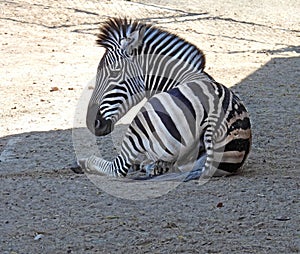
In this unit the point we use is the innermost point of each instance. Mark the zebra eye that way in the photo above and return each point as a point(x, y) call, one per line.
point(115, 70)
point(114, 73)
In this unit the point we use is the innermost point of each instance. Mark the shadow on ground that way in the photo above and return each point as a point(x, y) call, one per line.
point(271, 95)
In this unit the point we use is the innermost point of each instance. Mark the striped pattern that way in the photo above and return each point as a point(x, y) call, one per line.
point(190, 123)
point(158, 62)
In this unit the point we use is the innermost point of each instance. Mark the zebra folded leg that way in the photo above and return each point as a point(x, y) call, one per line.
point(168, 171)
point(153, 170)
point(150, 170)
point(158, 168)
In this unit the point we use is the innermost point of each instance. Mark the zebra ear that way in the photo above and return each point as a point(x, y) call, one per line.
point(133, 41)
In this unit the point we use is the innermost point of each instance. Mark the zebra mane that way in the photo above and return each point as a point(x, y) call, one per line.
point(116, 29)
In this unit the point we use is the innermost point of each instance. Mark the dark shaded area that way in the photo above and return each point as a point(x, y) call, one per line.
point(274, 112)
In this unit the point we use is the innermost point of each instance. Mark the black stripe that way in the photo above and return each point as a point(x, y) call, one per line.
point(183, 51)
point(134, 132)
point(140, 126)
point(177, 93)
point(133, 144)
point(169, 43)
point(204, 98)
point(239, 145)
point(127, 151)
point(154, 133)
point(183, 103)
point(236, 145)
point(226, 99)
point(166, 119)
point(243, 124)
point(156, 46)
point(158, 86)
point(176, 47)
point(114, 94)
point(229, 167)
point(118, 165)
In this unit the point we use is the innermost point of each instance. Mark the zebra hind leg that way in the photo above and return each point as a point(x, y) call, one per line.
point(149, 169)
point(157, 168)
point(153, 170)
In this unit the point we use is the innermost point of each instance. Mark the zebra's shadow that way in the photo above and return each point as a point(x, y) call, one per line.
point(272, 96)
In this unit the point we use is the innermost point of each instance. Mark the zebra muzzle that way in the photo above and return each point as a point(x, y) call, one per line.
point(102, 127)
point(96, 123)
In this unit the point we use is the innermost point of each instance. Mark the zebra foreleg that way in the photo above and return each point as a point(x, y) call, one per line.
point(94, 164)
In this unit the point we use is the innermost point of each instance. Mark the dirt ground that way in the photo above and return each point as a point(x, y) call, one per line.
point(48, 58)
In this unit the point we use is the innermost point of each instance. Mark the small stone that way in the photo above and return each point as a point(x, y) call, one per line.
point(282, 218)
point(54, 89)
point(38, 237)
point(220, 204)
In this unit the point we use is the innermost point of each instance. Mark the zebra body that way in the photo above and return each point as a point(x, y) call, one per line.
point(190, 123)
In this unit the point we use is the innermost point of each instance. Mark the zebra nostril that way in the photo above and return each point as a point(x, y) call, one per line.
point(97, 124)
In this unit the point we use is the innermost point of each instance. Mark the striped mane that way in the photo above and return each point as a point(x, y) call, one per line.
point(115, 29)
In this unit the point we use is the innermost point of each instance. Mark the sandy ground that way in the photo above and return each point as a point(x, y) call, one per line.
point(48, 57)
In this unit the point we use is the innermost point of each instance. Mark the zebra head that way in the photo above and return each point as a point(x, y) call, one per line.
point(119, 81)
point(140, 61)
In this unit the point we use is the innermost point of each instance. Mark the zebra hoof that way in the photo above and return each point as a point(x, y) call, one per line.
point(76, 168)
point(82, 163)
point(85, 165)
point(150, 170)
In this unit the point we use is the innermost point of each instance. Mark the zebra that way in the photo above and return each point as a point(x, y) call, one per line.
point(190, 122)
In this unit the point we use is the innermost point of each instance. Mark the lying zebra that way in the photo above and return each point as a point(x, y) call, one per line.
point(190, 123)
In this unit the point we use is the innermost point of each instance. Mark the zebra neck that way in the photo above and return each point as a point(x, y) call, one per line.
point(158, 83)
point(168, 60)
